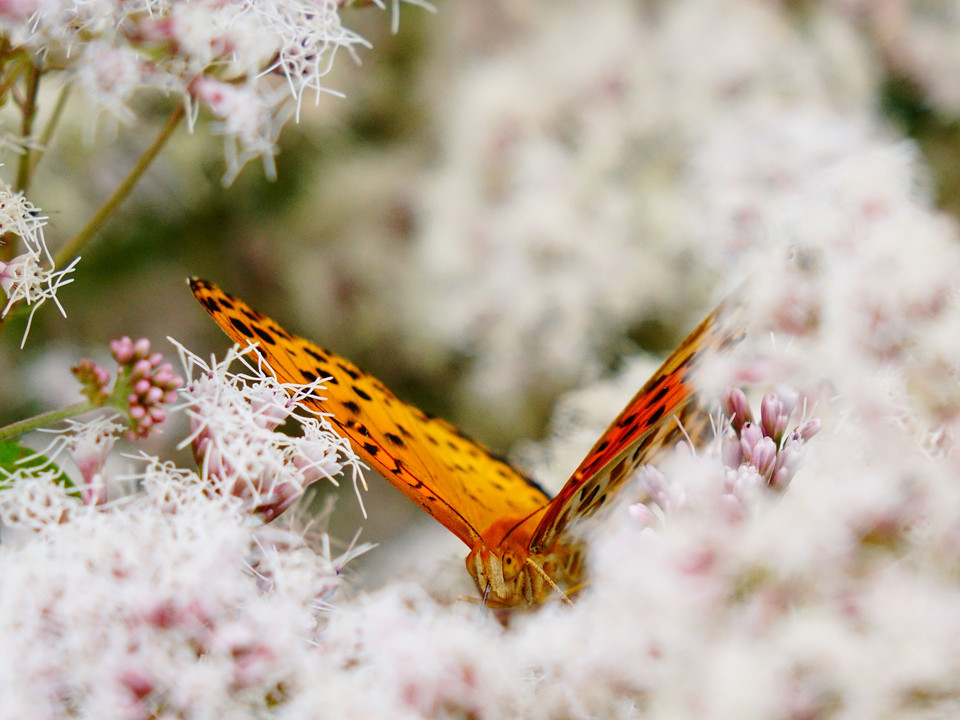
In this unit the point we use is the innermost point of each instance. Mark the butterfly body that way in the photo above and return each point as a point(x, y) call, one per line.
point(523, 547)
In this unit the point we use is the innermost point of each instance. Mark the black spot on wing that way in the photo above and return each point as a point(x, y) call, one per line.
point(210, 303)
point(585, 500)
point(659, 395)
point(265, 336)
point(360, 393)
point(351, 407)
point(241, 327)
point(656, 414)
point(316, 354)
point(352, 372)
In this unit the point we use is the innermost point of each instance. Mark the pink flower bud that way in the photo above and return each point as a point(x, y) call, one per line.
point(730, 451)
point(737, 407)
point(141, 367)
point(163, 375)
point(122, 350)
point(809, 429)
point(750, 436)
point(643, 515)
point(764, 456)
point(773, 416)
point(141, 347)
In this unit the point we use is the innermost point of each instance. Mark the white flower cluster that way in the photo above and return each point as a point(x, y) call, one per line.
point(173, 599)
point(249, 63)
point(233, 419)
point(137, 610)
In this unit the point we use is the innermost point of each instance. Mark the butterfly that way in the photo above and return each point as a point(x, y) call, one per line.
point(522, 545)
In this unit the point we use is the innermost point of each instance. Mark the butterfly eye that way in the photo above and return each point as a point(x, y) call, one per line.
point(510, 566)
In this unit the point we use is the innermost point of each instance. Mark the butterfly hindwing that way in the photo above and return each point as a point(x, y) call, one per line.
point(454, 479)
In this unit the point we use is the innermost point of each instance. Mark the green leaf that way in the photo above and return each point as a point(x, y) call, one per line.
point(14, 456)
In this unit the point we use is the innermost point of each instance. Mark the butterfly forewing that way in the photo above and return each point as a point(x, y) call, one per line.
point(664, 411)
point(453, 478)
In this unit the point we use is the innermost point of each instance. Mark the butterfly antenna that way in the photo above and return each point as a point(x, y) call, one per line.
point(523, 520)
point(550, 582)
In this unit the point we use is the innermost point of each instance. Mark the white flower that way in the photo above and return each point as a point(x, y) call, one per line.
point(109, 75)
point(24, 278)
point(232, 419)
point(33, 499)
point(88, 443)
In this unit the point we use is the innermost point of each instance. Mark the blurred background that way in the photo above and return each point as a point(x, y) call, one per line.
point(510, 199)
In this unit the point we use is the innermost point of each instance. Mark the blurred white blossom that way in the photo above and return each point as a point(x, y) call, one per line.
point(917, 40)
point(136, 611)
point(552, 223)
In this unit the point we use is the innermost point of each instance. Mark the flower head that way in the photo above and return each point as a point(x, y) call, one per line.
point(232, 419)
point(30, 277)
point(148, 381)
point(88, 444)
point(761, 451)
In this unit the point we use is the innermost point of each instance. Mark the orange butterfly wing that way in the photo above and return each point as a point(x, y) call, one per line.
point(665, 410)
point(453, 478)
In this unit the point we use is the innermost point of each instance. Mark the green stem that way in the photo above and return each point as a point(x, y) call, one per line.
point(18, 61)
point(29, 110)
point(44, 419)
point(73, 247)
point(12, 65)
point(51, 126)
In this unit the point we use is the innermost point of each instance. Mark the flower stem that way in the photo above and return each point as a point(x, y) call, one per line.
point(11, 65)
point(73, 247)
point(51, 126)
point(44, 419)
point(29, 110)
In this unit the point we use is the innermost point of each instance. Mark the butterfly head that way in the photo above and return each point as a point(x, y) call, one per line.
point(499, 563)
point(502, 574)
point(508, 574)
